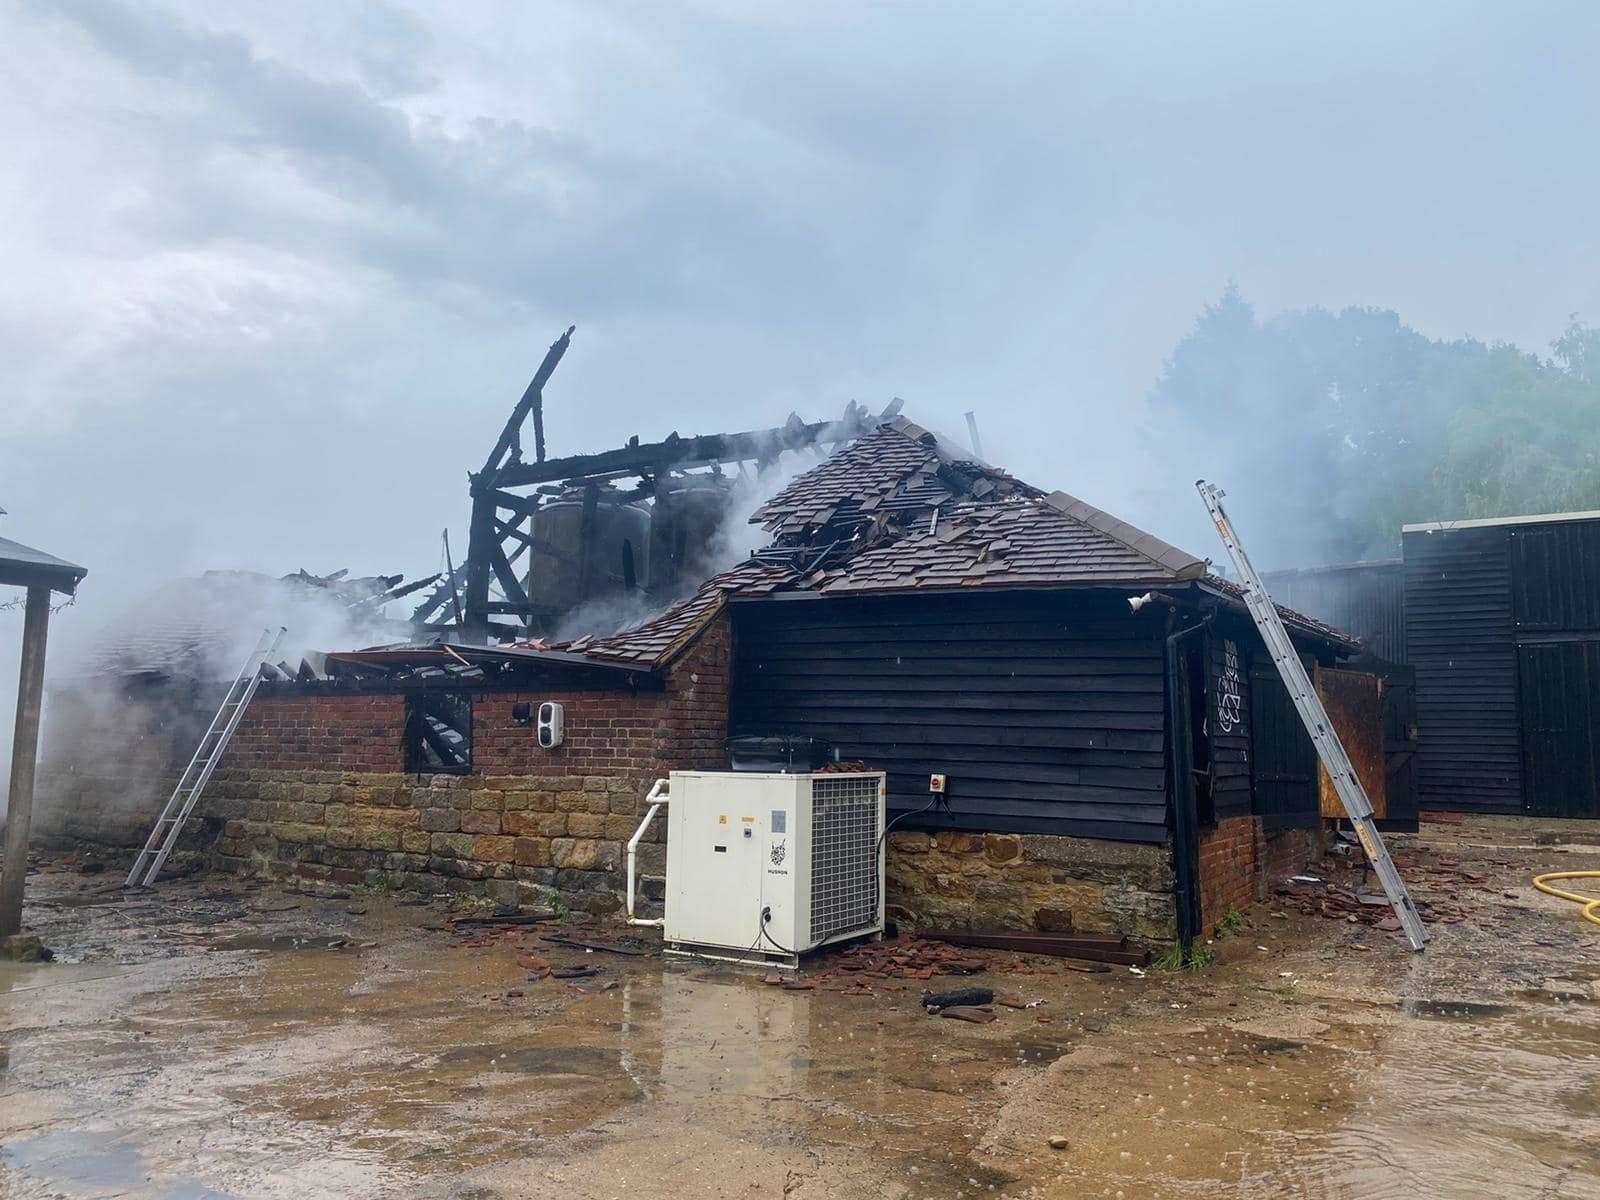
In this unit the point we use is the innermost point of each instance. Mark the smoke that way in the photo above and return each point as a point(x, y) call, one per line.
point(129, 691)
point(733, 540)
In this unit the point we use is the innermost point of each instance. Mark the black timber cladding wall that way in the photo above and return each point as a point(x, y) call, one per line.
point(1046, 713)
point(1555, 601)
point(1228, 717)
point(1363, 599)
point(1460, 639)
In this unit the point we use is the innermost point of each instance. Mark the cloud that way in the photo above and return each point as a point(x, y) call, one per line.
point(273, 276)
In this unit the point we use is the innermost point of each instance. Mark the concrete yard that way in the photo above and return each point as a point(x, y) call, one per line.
point(215, 1037)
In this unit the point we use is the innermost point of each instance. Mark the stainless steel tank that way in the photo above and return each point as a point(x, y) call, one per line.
point(575, 558)
point(684, 530)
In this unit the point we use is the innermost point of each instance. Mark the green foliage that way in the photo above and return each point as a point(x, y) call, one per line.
point(1351, 424)
point(1198, 959)
point(1230, 924)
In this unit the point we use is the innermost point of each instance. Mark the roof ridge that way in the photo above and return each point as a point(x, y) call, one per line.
point(1180, 563)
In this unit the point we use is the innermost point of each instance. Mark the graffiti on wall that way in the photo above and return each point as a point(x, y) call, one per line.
point(1229, 712)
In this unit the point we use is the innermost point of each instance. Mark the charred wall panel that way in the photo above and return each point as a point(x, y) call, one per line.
point(1046, 713)
point(1461, 641)
point(1364, 599)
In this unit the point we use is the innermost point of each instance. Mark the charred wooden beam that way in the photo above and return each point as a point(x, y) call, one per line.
point(510, 441)
point(682, 453)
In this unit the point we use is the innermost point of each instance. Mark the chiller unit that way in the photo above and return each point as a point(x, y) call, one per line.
point(765, 867)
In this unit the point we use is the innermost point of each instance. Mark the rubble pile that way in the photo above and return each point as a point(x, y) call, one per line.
point(1446, 892)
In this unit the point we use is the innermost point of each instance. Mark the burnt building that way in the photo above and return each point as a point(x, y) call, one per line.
point(1119, 752)
point(125, 712)
point(1365, 599)
point(1503, 629)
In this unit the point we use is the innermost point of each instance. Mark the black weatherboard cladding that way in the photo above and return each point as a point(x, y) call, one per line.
point(1365, 599)
point(1555, 573)
point(1555, 586)
point(1560, 684)
point(1284, 772)
point(1045, 712)
point(1460, 639)
point(1229, 644)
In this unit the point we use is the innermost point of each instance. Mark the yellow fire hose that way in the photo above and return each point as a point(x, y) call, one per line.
point(1591, 904)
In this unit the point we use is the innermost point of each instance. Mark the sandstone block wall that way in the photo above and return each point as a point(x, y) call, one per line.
point(1032, 882)
point(313, 785)
point(1240, 861)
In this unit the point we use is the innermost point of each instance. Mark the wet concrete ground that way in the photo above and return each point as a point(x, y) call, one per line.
point(214, 1039)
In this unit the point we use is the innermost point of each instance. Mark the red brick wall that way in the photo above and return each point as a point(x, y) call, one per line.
point(314, 784)
point(320, 733)
point(1240, 863)
point(617, 730)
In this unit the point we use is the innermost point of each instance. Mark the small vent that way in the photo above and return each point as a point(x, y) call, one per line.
point(844, 844)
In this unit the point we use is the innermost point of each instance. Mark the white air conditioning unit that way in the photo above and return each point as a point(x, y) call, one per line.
point(766, 867)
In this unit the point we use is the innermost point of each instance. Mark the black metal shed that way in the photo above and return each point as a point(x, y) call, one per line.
point(1503, 628)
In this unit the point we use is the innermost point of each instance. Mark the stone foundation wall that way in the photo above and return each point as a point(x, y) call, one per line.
point(1240, 861)
point(313, 786)
point(1032, 883)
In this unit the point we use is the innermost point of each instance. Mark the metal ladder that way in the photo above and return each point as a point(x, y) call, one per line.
point(1329, 749)
point(206, 756)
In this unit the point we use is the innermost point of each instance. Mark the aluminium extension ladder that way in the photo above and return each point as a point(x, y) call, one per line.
point(1329, 749)
point(206, 756)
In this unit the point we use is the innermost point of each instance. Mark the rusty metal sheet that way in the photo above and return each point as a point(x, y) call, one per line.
point(1354, 700)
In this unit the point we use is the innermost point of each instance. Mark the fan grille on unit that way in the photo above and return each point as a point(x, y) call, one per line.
point(844, 844)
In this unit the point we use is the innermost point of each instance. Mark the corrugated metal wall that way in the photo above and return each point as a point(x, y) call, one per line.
point(1046, 713)
point(1364, 599)
point(1461, 640)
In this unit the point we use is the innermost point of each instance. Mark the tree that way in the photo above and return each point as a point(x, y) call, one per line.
point(1351, 424)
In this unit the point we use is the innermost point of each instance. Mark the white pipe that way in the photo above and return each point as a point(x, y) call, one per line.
point(655, 800)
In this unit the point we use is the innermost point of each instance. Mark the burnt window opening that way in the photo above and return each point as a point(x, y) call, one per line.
point(439, 733)
point(1200, 764)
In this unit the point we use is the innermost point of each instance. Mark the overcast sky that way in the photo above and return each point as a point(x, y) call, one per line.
point(271, 277)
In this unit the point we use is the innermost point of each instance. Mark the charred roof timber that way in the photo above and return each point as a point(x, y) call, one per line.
point(504, 529)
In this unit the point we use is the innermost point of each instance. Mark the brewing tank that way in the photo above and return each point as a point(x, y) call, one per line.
point(683, 533)
point(575, 558)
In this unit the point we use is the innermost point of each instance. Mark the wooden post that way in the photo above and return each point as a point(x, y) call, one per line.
point(24, 759)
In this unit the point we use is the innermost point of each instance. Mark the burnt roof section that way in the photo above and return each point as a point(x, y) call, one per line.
point(655, 642)
point(1055, 541)
point(1051, 541)
point(23, 566)
point(901, 511)
point(1296, 621)
point(899, 470)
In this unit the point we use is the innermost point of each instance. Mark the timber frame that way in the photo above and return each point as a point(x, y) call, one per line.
point(507, 490)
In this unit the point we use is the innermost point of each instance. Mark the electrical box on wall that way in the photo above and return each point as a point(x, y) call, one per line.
point(552, 725)
point(765, 867)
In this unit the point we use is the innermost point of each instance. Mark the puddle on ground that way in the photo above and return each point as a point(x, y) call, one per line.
point(1455, 1010)
point(279, 941)
point(85, 1165)
point(423, 1068)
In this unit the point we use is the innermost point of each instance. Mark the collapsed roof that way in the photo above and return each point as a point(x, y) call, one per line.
point(900, 510)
